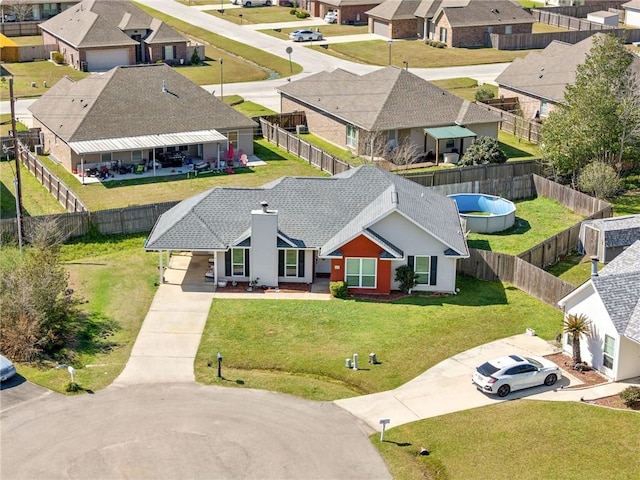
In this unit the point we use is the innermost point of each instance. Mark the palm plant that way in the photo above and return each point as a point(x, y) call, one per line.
point(576, 325)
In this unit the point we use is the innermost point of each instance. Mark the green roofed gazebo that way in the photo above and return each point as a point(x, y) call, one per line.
point(454, 133)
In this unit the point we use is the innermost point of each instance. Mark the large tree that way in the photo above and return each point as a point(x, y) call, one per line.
point(600, 117)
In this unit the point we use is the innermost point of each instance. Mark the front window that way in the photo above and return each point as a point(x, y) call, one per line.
point(609, 347)
point(352, 136)
point(508, 29)
point(443, 35)
point(544, 108)
point(169, 52)
point(422, 267)
point(105, 157)
point(291, 263)
point(361, 272)
point(237, 262)
point(136, 156)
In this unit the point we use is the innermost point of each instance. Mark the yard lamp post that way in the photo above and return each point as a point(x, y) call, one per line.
point(221, 81)
point(390, 42)
point(240, 15)
point(219, 365)
point(406, 65)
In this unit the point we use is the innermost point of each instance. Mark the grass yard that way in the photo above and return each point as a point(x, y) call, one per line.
point(575, 269)
point(5, 125)
point(464, 87)
point(251, 109)
point(39, 71)
point(545, 28)
point(418, 54)
point(299, 348)
point(517, 148)
point(117, 278)
point(523, 439)
point(627, 203)
point(143, 191)
point(249, 16)
point(328, 30)
point(536, 220)
point(27, 41)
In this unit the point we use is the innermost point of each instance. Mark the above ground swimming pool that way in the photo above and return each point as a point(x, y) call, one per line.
point(485, 213)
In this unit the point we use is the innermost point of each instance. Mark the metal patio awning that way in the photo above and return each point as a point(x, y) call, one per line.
point(146, 142)
point(454, 131)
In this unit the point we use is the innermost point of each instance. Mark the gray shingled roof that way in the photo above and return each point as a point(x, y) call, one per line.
point(428, 8)
point(632, 4)
point(546, 74)
point(618, 285)
point(347, 3)
point(100, 23)
point(395, 10)
point(485, 12)
point(313, 212)
point(129, 102)
point(619, 231)
point(386, 99)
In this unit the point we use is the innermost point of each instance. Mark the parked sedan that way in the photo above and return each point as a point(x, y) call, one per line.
point(304, 35)
point(7, 370)
point(514, 372)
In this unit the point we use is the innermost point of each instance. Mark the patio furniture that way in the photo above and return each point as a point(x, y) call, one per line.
point(209, 275)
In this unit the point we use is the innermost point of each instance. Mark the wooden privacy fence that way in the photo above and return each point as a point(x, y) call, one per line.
point(300, 148)
point(516, 124)
point(529, 41)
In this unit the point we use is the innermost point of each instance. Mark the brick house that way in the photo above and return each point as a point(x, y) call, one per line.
point(349, 11)
point(395, 19)
point(391, 104)
point(109, 33)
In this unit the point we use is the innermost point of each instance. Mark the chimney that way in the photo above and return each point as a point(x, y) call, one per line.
point(594, 266)
point(264, 246)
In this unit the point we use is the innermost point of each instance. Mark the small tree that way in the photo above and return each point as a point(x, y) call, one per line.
point(600, 180)
point(195, 58)
point(377, 146)
point(406, 277)
point(576, 325)
point(483, 94)
point(483, 151)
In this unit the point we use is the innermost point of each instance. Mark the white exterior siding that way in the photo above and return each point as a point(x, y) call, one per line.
point(413, 240)
point(632, 17)
point(628, 361)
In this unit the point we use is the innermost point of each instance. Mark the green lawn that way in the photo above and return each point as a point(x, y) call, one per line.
point(521, 439)
point(116, 277)
point(299, 347)
point(517, 148)
point(575, 269)
point(536, 220)
point(627, 203)
point(376, 52)
point(544, 28)
point(27, 40)
point(328, 30)
point(248, 16)
point(40, 71)
point(464, 87)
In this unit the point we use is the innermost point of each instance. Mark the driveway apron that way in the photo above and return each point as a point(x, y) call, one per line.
point(169, 337)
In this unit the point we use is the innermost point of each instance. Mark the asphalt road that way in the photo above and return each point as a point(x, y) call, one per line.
point(184, 431)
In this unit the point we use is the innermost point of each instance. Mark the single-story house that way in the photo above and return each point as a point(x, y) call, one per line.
point(608, 237)
point(611, 301)
point(135, 114)
point(632, 13)
point(348, 110)
point(97, 35)
point(539, 79)
point(458, 23)
point(357, 227)
point(23, 10)
point(349, 11)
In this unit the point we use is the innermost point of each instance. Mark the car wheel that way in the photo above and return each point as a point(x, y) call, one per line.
point(550, 380)
point(267, 3)
point(504, 390)
point(248, 4)
point(298, 39)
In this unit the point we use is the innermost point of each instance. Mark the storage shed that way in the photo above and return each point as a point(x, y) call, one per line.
point(607, 238)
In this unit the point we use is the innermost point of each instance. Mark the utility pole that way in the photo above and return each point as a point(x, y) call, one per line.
point(14, 133)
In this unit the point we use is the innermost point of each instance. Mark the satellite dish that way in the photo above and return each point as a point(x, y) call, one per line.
point(289, 50)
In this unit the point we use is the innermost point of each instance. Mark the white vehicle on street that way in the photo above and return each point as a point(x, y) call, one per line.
point(254, 3)
point(514, 372)
point(304, 35)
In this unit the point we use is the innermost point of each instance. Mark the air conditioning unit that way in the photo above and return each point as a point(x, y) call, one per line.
point(301, 129)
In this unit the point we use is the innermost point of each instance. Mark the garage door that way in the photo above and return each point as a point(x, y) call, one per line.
point(381, 28)
point(100, 60)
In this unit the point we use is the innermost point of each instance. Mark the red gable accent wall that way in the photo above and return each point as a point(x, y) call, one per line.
point(362, 247)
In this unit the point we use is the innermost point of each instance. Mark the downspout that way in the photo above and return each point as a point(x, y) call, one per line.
point(161, 271)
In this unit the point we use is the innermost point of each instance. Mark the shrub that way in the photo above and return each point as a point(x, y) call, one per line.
point(631, 182)
point(483, 151)
point(407, 278)
point(58, 58)
point(195, 58)
point(483, 94)
point(435, 43)
point(600, 180)
point(339, 289)
point(301, 14)
point(293, 11)
point(630, 396)
point(72, 387)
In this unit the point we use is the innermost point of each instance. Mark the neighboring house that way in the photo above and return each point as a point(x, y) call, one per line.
point(357, 227)
point(608, 237)
point(458, 23)
point(349, 11)
point(539, 79)
point(133, 114)
point(97, 35)
point(349, 110)
point(32, 9)
point(611, 300)
point(632, 13)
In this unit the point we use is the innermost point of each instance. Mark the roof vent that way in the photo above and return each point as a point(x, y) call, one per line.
point(264, 206)
point(394, 196)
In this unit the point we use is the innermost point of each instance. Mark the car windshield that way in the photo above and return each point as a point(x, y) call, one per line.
point(534, 362)
point(487, 369)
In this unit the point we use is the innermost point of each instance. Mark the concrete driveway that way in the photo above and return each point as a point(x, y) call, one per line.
point(446, 387)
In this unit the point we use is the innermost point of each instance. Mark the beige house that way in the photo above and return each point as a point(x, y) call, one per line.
point(134, 115)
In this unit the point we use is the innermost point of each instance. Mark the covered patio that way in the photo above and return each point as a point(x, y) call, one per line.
point(446, 143)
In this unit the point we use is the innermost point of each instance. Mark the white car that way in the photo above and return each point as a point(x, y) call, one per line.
point(304, 35)
point(507, 374)
point(331, 17)
point(255, 3)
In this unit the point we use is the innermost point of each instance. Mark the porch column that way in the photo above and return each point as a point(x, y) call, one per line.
point(215, 269)
point(160, 269)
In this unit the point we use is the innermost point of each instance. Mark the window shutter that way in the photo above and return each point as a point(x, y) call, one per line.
point(246, 263)
point(227, 263)
point(281, 263)
point(410, 262)
point(433, 274)
point(301, 263)
point(175, 52)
